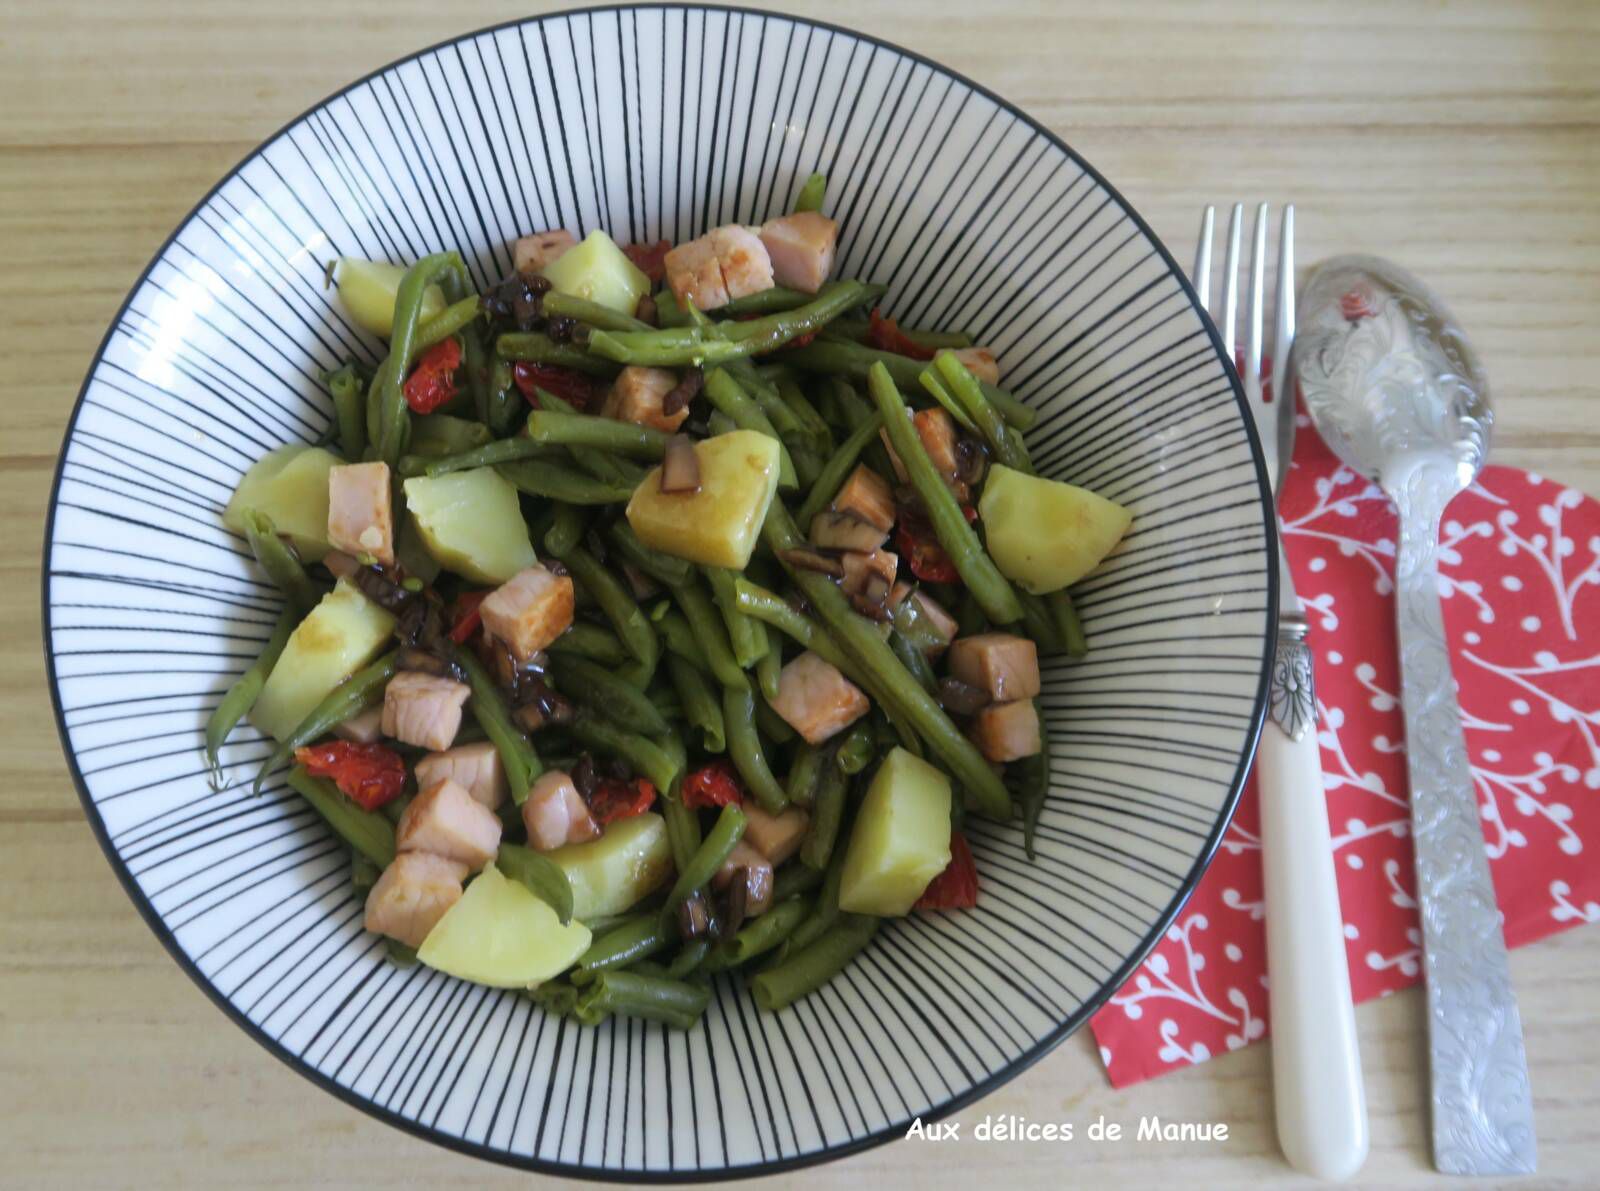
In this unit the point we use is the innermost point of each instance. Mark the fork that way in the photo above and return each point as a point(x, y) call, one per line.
point(1316, 1065)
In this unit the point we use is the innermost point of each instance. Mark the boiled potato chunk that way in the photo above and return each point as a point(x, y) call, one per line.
point(289, 485)
point(434, 435)
point(599, 271)
point(501, 935)
point(901, 839)
point(718, 525)
point(1045, 535)
point(339, 636)
point(367, 290)
point(613, 873)
point(471, 522)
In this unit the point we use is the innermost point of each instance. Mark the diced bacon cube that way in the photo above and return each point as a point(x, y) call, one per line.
point(535, 252)
point(447, 821)
point(777, 837)
point(637, 395)
point(529, 610)
point(1005, 666)
point(757, 871)
point(360, 517)
point(1007, 731)
point(423, 710)
point(411, 896)
point(980, 362)
point(746, 267)
point(556, 814)
point(931, 613)
point(475, 767)
point(801, 247)
point(816, 700)
point(867, 495)
point(695, 276)
point(365, 727)
point(937, 430)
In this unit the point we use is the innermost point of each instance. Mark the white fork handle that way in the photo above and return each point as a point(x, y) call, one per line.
point(1316, 1065)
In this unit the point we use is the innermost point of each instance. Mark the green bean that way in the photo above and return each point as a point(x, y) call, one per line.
point(1038, 624)
point(768, 301)
point(710, 635)
point(517, 754)
point(826, 816)
point(810, 968)
point(602, 465)
point(555, 997)
point(449, 321)
point(654, 759)
point(970, 620)
point(812, 193)
point(771, 725)
point(503, 400)
point(366, 831)
point(990, 422)
point(825, 912)
point(727, 340)
point(729, 397)
point(664, 568)
point(899, 692)
point(604, 693)
point(628, 994)
point(244, 692)
point(977, 569)
point(779, 614)
point(664, 698)
point(559, 305)
point(855, 361)
point(1032, 775)
point(618, 606)
point(856, 749)
point(590, 641)
point(689, 957)
point(567, 527)
point(393, 416)
point(760, 935)
point(280, 562)
point(791, 880)
point(1068, 627)
point(857, 330)
point(804, 771)
point(354, 695)
point(838, 469)
point(816, 426)
point(677, 636)
point(640, 936)
point(538, 348)
point(540, 875)
point(548, 428)
point(701, 710)
point(364, 873)
point(769, 666)
point(914, 660)
point(744, 748)
point(931, 381)
point(440, 435)
point(718, 422)
point(539, 477)
point(683, 831)
point(784, 420)
point(505, 450)
point(349, 411)
point(708, 857)
point(747, 637)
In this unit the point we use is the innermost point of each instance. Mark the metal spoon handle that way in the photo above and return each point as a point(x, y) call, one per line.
point(1482, 1107)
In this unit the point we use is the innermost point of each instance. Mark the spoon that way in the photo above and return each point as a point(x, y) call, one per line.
point(1397, 393)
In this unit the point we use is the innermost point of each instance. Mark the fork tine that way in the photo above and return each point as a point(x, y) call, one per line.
point(1230, 282)
point(1202, 258)
point(1283, 338)
point(1254, 316)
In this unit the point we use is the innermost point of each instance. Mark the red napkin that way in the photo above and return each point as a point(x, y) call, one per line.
point(1521, 586)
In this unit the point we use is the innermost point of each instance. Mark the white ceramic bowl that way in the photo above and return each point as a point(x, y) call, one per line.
point(657, 122)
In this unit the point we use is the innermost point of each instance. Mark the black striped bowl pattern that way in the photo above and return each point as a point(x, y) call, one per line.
point(661, 122)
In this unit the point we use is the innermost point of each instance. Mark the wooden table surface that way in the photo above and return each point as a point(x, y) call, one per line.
point(1460, 138)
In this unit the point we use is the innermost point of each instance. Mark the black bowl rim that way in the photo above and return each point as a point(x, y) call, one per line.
point(779, 1165)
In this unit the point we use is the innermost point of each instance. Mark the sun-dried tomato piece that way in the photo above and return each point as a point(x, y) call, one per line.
point(566, 383)
point(957, 887)
point(432, 382)
point(613, 799)
point(370, 774)
point(885, 335)
point(716, 784)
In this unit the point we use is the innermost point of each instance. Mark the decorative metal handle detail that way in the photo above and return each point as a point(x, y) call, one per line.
point(1482, 1105)
point(1292, 696)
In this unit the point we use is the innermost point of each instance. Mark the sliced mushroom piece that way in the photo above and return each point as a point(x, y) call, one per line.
point(832, 530)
